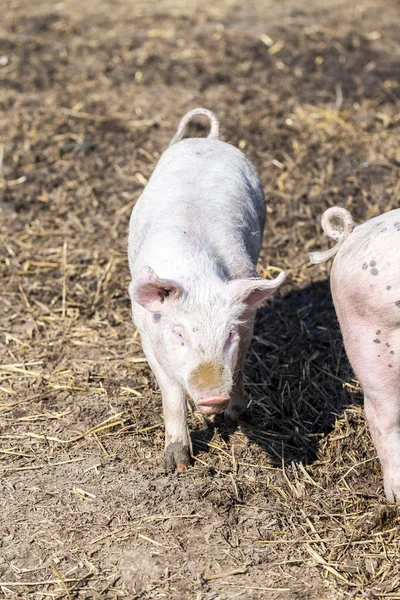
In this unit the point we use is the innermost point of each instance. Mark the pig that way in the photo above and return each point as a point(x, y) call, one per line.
point(365, 284)
point(194, 239)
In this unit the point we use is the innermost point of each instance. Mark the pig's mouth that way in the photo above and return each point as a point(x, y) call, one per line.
point(213, 404)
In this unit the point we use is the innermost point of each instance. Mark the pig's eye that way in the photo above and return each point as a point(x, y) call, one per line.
point(232, 337)
point(178, 335)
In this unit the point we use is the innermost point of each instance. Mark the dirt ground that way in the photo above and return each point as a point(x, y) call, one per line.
point(289, 506)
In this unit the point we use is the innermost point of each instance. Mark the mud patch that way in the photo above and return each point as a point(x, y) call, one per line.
point(206, 375)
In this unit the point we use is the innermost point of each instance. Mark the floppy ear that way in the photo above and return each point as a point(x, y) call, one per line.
point(253, 291)
point(153, 293)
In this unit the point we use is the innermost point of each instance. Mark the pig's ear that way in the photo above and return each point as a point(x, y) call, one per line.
point(153, 293)
point(253, 291)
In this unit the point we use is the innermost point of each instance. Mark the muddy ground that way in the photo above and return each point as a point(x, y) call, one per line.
point(289, 506)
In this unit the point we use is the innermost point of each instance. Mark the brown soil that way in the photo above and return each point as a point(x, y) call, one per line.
point(290, 505)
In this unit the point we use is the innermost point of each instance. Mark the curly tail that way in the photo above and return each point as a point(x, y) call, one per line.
point(339, 234)
point(214, 130)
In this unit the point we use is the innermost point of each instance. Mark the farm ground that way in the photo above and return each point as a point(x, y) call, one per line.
point(289, 506)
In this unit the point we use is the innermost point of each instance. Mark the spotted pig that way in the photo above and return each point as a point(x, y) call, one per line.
point(365, 283)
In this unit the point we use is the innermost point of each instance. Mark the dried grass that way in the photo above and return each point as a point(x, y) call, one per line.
point(291, 504)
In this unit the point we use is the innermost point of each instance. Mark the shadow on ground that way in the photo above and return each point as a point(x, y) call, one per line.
point(295, 370)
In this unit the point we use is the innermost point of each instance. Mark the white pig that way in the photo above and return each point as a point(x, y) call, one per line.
point(194, 239)
point(365, 284)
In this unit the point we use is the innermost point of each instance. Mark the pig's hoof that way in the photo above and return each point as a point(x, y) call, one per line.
point(392, 489)
point(232, 416)
point(393, 496)
point(177, 457)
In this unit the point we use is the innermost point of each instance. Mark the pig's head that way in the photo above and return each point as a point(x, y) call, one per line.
point(196, 332)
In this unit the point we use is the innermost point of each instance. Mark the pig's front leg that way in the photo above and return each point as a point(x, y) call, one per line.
point(177, 440)
point(237, 405)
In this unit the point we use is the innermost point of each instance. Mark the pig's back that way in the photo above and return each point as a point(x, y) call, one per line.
point(203, 196)
point(366, 270)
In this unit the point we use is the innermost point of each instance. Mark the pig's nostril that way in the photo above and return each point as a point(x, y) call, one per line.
point(213, 404)
point(214, 401)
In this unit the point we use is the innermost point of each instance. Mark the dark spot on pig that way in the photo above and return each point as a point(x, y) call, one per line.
point(392, 352)
point(377, 341)
point(156, 317)
point(388, 287)
point(359, 307)
point(365, 266)
point(378, 332)
point(390, 366)
point(388, 345)
point(397, 303)
point(372, 263)
point(374, 271)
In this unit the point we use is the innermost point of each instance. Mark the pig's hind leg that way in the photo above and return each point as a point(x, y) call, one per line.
point(178, 445)
point(374, 352)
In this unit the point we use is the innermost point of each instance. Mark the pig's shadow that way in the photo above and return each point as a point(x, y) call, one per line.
point(294, 375)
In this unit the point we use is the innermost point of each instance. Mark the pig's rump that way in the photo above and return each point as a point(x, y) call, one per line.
point(365, 275)
point(204, 201)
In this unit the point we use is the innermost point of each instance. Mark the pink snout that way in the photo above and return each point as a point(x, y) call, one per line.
point(213, 404)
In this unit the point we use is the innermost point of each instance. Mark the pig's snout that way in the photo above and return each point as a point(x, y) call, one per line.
point(210, 385)
point(213, 404)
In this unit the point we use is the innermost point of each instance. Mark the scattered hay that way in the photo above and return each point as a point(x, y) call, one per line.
point(291, 504)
